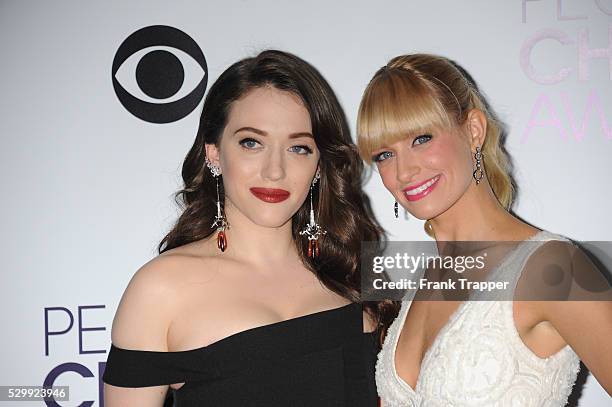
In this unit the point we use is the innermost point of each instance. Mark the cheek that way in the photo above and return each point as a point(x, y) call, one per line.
point(241, 172)
point(237, 174)
point(447, 156)
point(437, 155)
point(300, 174)
point(387, 176)
point(238, 165)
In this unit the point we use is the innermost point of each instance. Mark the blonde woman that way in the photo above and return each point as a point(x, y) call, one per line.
point(437, 147)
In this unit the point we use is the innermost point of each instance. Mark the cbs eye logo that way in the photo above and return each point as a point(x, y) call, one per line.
point(147, 63)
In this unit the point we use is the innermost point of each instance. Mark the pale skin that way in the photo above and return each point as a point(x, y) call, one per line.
point(194, 295)
point(460, 210)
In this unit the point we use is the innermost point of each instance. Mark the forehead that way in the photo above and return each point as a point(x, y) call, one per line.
point(270, 109)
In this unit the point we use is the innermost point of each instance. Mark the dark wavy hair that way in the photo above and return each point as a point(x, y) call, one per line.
point(343, 208)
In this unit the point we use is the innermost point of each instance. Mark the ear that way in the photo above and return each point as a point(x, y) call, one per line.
point(212, 153)
point(476, 124)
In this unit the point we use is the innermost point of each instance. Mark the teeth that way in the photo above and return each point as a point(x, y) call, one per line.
point(422, 187)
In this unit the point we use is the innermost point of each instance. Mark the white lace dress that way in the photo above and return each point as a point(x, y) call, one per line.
point(478, 357)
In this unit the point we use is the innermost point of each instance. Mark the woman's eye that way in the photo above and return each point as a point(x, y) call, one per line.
point(249, 143)
point(425, 137)
point(301, 149)
point(381, 156)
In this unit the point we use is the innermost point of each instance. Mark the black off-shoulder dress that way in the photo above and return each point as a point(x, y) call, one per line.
point(320, 359)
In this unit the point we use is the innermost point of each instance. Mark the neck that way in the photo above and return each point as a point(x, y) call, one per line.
point(256, 244)
point(477, 215)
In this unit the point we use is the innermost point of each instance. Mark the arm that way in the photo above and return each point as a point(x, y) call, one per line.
point(141, 323)
point(584, 319)
point(125, 397)
point(587, 327)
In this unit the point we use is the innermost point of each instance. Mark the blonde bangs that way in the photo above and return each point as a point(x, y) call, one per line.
point(395, 105)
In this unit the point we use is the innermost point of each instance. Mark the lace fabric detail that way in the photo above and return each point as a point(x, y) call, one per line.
point(478, 357)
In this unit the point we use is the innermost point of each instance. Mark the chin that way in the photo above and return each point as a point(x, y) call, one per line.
point(271, 219)
point(420, 215)
point(424, 213)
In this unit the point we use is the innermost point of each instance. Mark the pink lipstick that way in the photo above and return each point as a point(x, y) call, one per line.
point(422, 189)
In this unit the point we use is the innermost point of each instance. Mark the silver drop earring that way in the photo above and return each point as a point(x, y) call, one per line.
point(313, 230)
point(220, 221)
point(478, 172)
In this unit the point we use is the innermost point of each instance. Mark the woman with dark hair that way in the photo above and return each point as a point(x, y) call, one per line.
point(438, 148)
point(254, 298)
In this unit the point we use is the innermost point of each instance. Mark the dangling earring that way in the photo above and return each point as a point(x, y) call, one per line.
point(220, 221)
point(478, 172)
point(313, 230)
point(396, 211)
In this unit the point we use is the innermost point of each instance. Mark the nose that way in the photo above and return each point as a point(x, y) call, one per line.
point(407, 168)
point(274, 165)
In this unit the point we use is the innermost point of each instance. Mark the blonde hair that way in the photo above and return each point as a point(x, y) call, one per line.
point(414, 94)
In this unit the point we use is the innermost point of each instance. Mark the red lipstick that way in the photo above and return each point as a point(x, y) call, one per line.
point(270, 195)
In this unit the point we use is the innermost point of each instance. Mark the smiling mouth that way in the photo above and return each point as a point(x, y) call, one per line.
point(270, 195)
point(416, 193)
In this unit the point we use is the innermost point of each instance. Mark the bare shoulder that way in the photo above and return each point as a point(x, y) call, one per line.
point(561, 270)
point(148, 304)
point(182, 263)
point(547, 272)
point(553, 252)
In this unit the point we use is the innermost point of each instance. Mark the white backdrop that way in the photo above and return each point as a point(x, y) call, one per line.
point(87, 186)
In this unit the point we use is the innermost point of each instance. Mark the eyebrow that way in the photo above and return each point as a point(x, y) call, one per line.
point(264, 133)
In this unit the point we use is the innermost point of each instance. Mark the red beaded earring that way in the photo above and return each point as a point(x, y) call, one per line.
point(220, 221)
point(313, 230)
